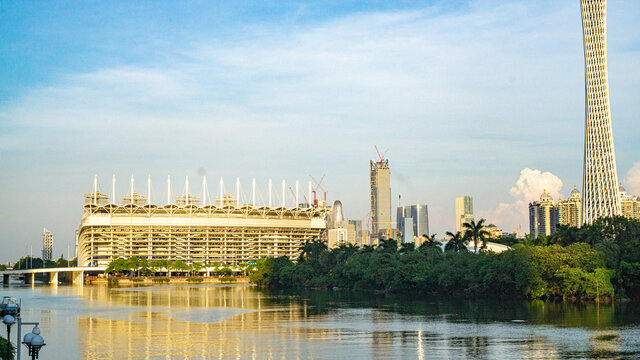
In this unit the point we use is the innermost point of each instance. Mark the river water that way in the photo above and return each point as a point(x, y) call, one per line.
point(202, 321)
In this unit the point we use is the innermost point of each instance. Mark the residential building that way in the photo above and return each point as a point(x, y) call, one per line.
point(570, 210)
point(47, 245)
point(543, 216)
point(630, 204)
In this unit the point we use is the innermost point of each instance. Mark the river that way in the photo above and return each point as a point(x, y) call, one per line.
point(203, 321)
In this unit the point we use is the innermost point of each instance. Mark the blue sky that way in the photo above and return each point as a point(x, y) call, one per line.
point(484, 98)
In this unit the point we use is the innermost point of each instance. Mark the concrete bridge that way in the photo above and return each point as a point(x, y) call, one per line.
point(74, 275)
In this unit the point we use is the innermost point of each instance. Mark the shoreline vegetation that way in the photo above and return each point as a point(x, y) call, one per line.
point(598, 262)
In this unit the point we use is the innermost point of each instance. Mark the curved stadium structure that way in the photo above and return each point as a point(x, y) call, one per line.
point(225, 233)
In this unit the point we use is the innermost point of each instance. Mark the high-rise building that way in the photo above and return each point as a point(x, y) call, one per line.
point(418, 220)
point(464, 212)
point(600, 177)
point(47, 245)
point(380, 198)
point(543, 216)
point(630, 204)
point(570, 210)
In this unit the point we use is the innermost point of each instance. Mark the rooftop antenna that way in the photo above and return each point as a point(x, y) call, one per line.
point(113, 189)
point(168, 189)
point(132, 189)
point(95, 189)
point(221, 191)
point(270, 186)
point(283, 192)
point(237, 191)
point(186, 190)
point(253, 192)
point(149, 189)
point(204, 190)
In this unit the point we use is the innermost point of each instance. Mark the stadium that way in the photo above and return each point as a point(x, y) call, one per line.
point(192, 231)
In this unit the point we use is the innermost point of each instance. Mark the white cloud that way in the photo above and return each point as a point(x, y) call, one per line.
point(632, 180)
point(528, 188)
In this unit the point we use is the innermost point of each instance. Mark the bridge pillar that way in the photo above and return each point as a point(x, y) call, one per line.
point(53, 278)
point(77, 277)
point(28, 278)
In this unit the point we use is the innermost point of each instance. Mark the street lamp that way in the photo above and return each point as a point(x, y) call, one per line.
point(8, 320)
point(33, 341)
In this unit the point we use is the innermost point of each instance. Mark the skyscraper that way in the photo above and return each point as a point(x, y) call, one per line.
point(543, 216)
point(413, 220)
point(464, 212)
point(380, 198)
point(47, 245)
point(600, 179)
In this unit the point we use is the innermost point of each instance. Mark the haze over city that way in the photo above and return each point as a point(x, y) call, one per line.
point(480, 98)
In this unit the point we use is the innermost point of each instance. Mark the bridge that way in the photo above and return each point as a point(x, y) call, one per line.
point(75, 275)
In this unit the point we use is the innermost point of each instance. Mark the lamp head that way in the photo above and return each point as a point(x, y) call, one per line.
point(36, 330)
point(9, 320)
point(37, 340)
point(27, 338)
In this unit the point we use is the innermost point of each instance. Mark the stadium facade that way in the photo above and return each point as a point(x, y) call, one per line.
point(192, 231)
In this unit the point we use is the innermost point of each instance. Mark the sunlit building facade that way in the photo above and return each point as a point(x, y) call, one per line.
point(194, 233)
point(630, 204)
point(570, 210)
point(543, 216)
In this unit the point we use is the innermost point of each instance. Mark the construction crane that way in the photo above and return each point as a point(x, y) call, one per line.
point(318, 185)
point(381, 156)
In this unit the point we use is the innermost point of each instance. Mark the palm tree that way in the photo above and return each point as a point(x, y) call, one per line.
point(475, 231)
point(457, 242)
point(430, 242)
point(407, 247)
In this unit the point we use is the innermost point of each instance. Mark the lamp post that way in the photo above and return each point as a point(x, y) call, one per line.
point(34, 342)
point(8, 320)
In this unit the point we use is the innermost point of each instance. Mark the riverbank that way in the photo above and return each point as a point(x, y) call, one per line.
point(93, 280)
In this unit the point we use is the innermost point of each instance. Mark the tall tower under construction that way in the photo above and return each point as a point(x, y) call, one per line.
point(600, 178)
point(380, 198)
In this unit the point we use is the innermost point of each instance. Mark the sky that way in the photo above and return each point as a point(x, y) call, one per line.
point(482, 98)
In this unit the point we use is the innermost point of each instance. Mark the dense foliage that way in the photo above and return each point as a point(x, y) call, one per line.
point(3, 349)
point(597, 261)
point(135, 266)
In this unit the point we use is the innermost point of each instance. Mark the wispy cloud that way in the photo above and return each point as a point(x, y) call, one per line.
point(432, 84)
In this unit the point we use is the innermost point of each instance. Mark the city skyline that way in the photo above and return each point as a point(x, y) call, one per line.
point(493, 109)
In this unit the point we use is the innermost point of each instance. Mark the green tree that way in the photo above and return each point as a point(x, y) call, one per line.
point(457, 242)
point(475, 231)
point(3, 350)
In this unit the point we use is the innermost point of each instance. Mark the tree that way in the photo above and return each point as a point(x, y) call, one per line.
point(476, 232)
point(430, 242)
point(457, 242)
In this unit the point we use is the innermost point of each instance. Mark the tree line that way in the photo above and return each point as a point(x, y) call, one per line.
point(136, 266)
point(29, 262)
point(600, 261)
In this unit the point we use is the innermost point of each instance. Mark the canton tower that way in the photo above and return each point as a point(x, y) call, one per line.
point(600, 178)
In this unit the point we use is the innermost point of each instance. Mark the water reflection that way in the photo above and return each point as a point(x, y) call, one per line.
point(242, 322)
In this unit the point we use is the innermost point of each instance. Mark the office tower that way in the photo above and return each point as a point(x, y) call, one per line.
point(543, 216)
point(380, 198)
point(464, 212)
point(47, 245)
point(600, 178)
point(570, 210)
point(630, 205)
point(418, 216)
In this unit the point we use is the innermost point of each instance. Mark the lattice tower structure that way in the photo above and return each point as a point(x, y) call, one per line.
point(194, 234)
point(600, 178)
